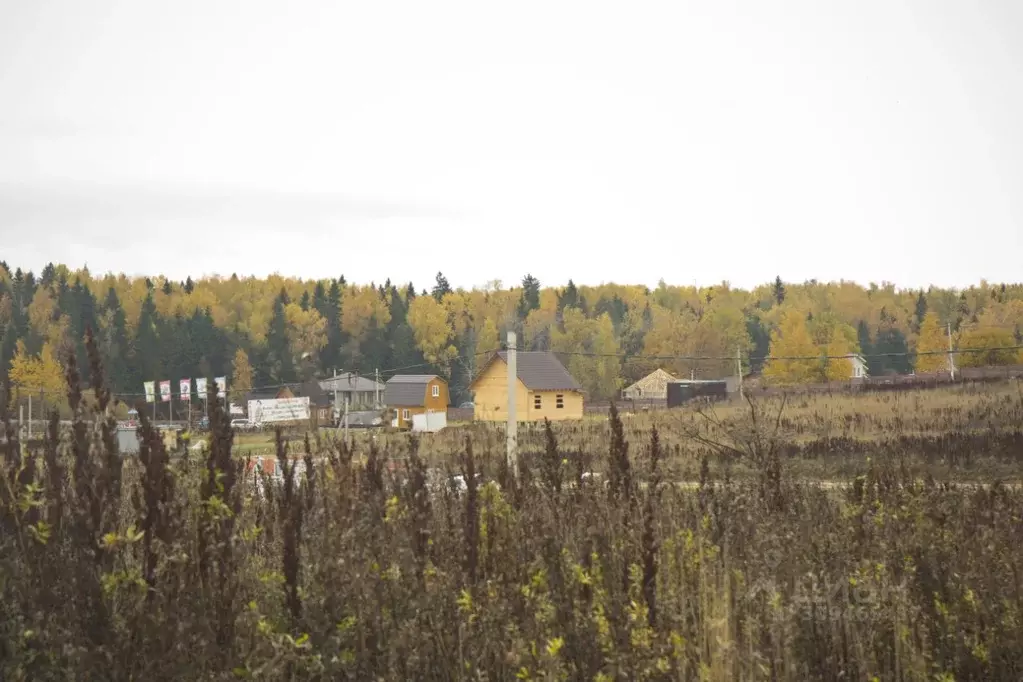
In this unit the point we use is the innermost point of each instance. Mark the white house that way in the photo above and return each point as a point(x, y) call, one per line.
point(859, 367)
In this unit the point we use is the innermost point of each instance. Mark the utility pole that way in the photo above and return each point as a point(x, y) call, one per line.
point(513, 461)
point(30, 416)
point(376, 389)
point(348, 442)
point(738, 368)
point(951, 358)
point(336, 409)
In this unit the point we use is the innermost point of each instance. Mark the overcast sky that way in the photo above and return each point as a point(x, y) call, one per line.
point(627, 142)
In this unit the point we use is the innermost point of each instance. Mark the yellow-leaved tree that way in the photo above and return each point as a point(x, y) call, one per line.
point(241, 376)
point(307, 330)
point(792, 340)
point(931, 345)
point(1000, 343)
point(591, 348)
point(432, 331)
point(487, 339)
point(838, 367)
point(39, 374)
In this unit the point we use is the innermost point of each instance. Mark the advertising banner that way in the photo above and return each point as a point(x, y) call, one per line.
point(165, 392)
point(221, 387)
point(186, 389)
point(278, 410)
point(150, 388)
point(200, 387)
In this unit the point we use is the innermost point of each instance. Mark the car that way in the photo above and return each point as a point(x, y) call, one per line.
point(240, 424)
point(468, 405)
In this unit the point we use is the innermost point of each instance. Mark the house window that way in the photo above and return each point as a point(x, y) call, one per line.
point(537, 402)
point(559, 402)
point(404, 415)
point(435, 391)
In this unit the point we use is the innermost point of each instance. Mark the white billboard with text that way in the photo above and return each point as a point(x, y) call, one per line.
point(278, 410)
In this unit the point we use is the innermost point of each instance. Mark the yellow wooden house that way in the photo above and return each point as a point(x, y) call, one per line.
point(412, 394)
point(544, 388)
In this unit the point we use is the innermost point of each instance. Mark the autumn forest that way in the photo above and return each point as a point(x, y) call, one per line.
point(262, 332)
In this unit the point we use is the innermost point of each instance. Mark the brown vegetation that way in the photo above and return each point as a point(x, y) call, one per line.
point(173, 568)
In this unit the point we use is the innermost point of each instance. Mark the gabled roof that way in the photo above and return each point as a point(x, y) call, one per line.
point(317, 396)
point(263, 393)
point(539, 371)
point(656, 380)
point(407, 389)
point(348, 382)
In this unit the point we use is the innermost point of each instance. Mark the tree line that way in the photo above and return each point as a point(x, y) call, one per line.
point(277, 330)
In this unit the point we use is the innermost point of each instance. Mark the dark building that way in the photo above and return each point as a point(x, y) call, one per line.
point(680, 392)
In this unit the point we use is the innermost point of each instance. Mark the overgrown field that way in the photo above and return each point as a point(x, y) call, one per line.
point(970, 432)
point(167, 568)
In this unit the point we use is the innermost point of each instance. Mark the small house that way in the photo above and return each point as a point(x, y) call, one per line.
point(859, 367)
point(543, 388)
point(358, 392)
point(653, 386)
point(416, 394)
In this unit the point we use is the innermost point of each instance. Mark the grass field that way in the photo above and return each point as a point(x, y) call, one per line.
point(968, 432)
point(163, 568)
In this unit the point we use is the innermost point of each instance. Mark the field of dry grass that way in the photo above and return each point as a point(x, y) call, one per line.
point(163, 568)
point(967, 432)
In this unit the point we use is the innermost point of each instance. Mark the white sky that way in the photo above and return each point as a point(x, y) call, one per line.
point(625, 142)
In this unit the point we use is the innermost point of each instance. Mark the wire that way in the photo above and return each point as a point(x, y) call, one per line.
point(767, 358)
point(623, 356)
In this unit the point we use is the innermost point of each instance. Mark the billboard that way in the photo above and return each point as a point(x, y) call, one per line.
point(278, 410)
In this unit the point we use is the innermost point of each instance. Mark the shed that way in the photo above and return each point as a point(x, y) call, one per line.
point(680, 392)
point(653, 386)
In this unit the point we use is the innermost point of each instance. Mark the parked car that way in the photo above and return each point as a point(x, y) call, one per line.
point(240, 424)
point(468, 405)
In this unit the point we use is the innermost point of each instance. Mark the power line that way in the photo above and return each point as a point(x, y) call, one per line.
point(621, 356)
point(766, 358)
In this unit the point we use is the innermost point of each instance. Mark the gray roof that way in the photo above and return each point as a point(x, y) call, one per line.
point(348, 382)
point(542, 371)
point(407, 389)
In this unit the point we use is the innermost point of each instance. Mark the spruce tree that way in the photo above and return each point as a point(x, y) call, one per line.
point(569, 298)
point(779, 290)
point(530, 299)
point(921, 309)
point(116, 345)
point(761, 339)
point(48, 276)
point(83, 316)
point(441, 287)
point(328, 305)
point(146, 364)
point(399, 334)
point(281, 364)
